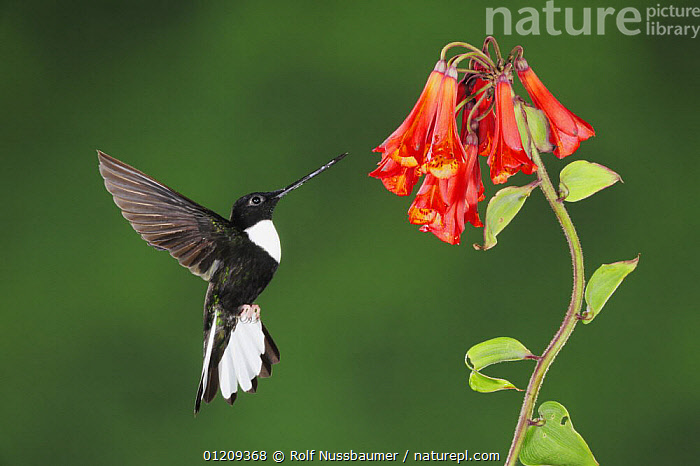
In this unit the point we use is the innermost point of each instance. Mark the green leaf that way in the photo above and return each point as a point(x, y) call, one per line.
point(539, 126)
point(603, 284)
point(581, 179)
point(502, 208)
point(496, 350)
point(555, 443)
point(490, 352)
point(485, 384)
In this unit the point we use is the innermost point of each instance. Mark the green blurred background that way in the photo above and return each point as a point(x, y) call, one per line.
point(102, 335)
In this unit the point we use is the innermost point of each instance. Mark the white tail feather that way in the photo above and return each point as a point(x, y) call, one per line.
point(242, 358)
point(225, 377)
point(207, 353)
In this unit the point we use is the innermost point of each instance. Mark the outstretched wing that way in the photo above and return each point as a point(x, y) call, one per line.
point(167, 220)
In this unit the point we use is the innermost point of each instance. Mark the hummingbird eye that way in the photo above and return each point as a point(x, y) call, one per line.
point(256, 200)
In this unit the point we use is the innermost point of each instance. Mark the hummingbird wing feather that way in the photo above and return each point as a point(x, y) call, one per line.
point(167, 220)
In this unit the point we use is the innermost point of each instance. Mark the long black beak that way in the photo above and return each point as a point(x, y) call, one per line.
point(298, 183)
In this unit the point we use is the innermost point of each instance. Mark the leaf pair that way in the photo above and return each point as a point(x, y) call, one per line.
point(489, 352)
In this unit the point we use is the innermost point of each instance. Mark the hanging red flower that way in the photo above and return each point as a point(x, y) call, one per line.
point(567, 130)
point(452, 186)
point(403, 152)
point(507, 155)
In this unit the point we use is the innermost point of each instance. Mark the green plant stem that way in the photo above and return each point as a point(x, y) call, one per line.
point(466, 45)
point(570, 320)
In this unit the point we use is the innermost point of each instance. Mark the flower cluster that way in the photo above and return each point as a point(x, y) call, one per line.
point(430, 143)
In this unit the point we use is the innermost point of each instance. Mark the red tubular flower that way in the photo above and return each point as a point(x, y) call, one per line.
point(452, 186)
point(465, 190)
point(507, 155)
point(568, 130)
point(462, 192)
point(475, 187)
point(445, 151)
point(429, 205)
point(403, 152)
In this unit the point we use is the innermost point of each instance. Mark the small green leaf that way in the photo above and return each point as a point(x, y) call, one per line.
point(539, 126)
point(502, 208)
point(496, 350)
point(485, 384)
point(489, 352)
point(581, 179)
point(603, 284)
point(555, 443)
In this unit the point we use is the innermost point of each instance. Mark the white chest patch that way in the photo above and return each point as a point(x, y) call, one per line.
point(264, 235)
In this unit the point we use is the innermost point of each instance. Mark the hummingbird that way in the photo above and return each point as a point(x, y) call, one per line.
point(237, 257)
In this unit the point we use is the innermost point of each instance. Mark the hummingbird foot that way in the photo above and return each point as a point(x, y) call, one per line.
point(249, 313)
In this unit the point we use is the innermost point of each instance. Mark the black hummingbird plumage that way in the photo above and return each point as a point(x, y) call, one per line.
point(238, 257)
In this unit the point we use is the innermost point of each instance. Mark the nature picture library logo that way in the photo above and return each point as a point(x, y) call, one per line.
point(654, 20)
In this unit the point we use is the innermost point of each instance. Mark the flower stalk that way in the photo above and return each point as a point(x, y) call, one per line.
point(570, 319)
